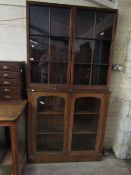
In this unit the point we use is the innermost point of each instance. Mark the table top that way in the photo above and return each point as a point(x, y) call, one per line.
point(10, 111)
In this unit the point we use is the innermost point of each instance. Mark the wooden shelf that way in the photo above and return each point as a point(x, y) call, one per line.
point(50, 113)
point(89, 113)
point(84, 132)
point(54, 62)
point(91, 64)
point(51, 133)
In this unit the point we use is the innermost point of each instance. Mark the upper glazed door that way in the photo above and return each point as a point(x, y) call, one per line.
point(93, 36)
point(49, 43)
point(69, 47)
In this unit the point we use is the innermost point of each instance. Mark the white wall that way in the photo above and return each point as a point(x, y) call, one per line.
point(12, 31)
point(122, 87)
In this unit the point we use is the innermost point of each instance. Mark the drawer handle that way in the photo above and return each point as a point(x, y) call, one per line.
point(5, 67)
point(6, 82)
point(6, 90)
point(6, 75)
point(7, 97)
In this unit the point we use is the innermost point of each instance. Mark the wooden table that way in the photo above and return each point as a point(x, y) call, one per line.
point(13, 118)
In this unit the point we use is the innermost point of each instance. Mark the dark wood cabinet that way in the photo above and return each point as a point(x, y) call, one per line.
point(69, 63)
point(12, 80)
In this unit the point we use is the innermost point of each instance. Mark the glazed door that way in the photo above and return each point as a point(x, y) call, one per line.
point(49, 127)
point(85, 119)
point(49, 44)
point(92, 38)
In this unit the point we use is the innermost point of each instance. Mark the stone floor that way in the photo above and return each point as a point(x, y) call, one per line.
point(108, 166)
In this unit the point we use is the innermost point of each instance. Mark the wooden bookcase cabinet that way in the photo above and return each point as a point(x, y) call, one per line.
point(69, 63)
point(66, 126)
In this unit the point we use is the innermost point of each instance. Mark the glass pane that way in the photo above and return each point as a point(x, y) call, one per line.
point(50, 104)
point(39, 19)
point(39, 48)
point(83, 50)
point(102, 52)
point(39, 72)
point(87, 104)
point(50, 123)
point(60, 20)
point(99, 75)
point(85, 123)
point(85, 24)
point(58, 73)
point(49, 142)
point(83, 142)
point(59, 49)
point(104, 25)
point(81, 74)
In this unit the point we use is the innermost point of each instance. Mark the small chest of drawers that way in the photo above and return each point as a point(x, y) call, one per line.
point(12, 80)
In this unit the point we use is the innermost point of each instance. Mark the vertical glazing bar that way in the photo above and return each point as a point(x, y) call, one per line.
point(91, 70)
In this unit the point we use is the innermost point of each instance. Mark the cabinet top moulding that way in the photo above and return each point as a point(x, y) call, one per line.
point(69, 47)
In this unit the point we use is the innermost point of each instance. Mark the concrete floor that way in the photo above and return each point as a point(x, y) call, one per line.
point(108, 166)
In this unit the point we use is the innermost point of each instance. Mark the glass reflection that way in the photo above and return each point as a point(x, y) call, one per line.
point(60, 18)
point(39, 72)
point(102, 52)
point(85, 24)
point(83, 50)
point(58, 73)
point(104, 25)
point(59, 49)
point(39, 20)
point(39, 48)
point(81, 74)
point(50, 103)
point(99, 75)
point(81, 104)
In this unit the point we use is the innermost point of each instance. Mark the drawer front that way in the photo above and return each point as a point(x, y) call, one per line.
point(9, 74)
point(9, 90)
point(9, 82)
point(4, 66)
point(9, 96)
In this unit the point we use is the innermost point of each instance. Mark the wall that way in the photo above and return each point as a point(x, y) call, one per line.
point(12, 30)
point(121, 83)
point(13, 47)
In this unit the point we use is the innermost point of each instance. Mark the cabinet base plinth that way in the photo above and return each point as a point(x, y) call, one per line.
point(66, 158)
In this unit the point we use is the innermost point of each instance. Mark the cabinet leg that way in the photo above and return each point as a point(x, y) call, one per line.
point(14, 147)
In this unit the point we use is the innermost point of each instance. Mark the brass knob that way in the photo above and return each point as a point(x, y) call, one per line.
point(6, 82)
point(6, 75)
point(5, 67)
point(6, 90)
point(7, 96)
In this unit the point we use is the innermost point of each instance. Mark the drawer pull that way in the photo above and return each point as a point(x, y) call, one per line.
point(6, 75)
point(6, 82)
point(7, 97)
point(5, 67)
point(6, 90)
